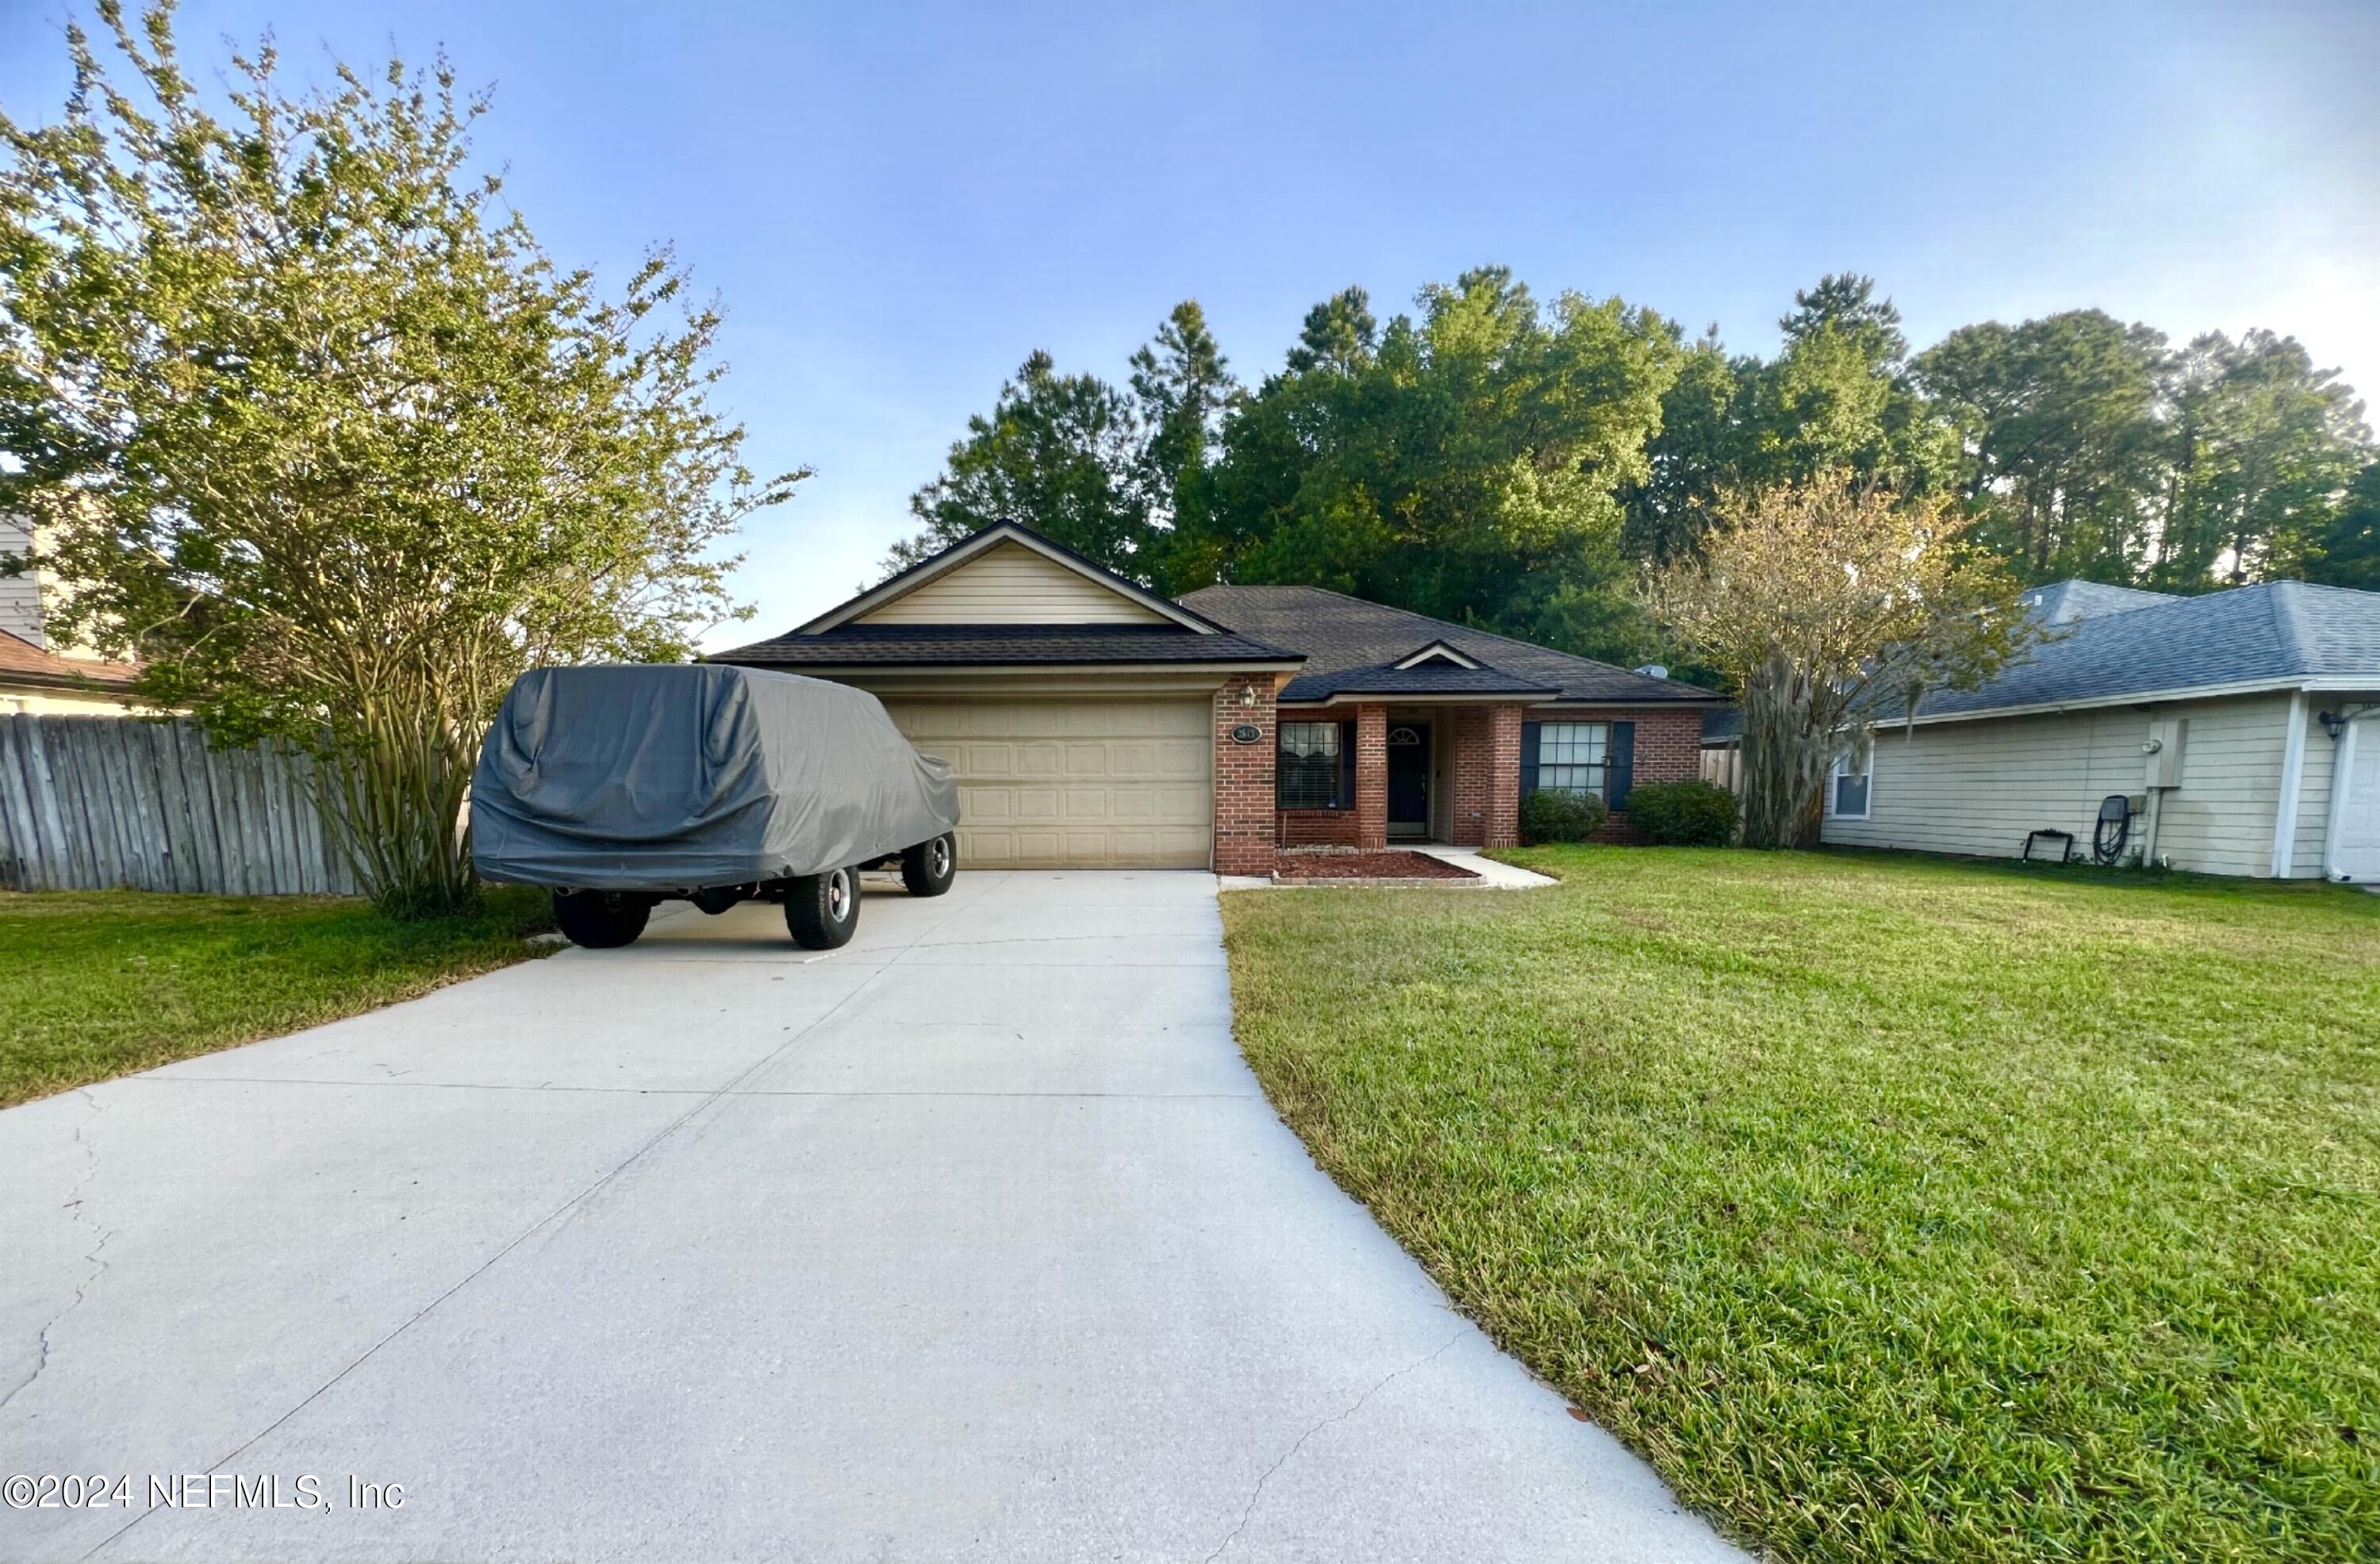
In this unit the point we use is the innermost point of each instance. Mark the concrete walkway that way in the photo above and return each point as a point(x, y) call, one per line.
point(975, 1240)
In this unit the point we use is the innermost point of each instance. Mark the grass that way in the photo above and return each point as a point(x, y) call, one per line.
point(1896, 1209)
point(99, 984)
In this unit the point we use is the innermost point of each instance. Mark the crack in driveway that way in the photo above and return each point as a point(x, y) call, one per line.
point(98, 1267)
point(1256, 1494)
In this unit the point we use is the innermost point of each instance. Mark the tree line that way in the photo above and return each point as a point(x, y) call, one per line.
point(1494, 459)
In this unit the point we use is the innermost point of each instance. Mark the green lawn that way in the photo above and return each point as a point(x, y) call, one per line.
point(101, 983)
point(1895, 1209)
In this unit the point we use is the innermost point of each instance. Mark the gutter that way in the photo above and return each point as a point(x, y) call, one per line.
point(2342, 683)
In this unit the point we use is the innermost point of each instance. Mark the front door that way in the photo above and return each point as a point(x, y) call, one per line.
point(1409, 779)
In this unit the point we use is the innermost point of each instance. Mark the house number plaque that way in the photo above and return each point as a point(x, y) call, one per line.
point(1246, 733)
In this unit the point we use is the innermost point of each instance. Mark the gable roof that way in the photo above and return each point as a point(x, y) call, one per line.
point(2279, 635)
point(1352, 646)
point(974, 546)
point(2062, 603)
point(980, 646)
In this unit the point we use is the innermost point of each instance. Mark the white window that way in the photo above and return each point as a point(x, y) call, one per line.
point(1571, 757)
point(1847, 790)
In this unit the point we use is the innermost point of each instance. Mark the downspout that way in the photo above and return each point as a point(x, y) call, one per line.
point(2285, 818)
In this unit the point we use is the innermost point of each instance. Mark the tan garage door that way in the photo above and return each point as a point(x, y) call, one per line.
point(1074, 784)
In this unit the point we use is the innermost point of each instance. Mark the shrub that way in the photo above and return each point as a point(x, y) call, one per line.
point(1683, 813)
point(1561, 817)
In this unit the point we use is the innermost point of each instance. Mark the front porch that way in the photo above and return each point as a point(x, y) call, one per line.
point(1374, 774)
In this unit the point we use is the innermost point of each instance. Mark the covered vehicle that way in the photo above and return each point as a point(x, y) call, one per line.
point(622, 787)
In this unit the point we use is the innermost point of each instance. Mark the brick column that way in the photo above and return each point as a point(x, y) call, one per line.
point(1244, 777)
point(1472, 779)
point(1371, 777)
point(1503, 822)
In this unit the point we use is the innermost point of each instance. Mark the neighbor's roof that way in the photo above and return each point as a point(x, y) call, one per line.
point(2276, 635)
point(925, 646)
point(21, 662)
point(1352, 646)
point(1722, 726)
point(2062, 603)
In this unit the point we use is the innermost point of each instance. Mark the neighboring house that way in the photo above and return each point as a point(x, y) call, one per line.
point(1097, 724)
point(2241, 726)
point(36, 676)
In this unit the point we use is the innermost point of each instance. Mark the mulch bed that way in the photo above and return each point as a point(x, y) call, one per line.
point(1318, 868)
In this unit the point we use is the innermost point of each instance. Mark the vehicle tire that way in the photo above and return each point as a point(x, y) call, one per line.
point(602, 920)
point(928, 868)
point(822, 909)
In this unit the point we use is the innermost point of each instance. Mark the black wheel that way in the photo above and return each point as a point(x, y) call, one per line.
point(928, 868)
point(822, 909)
point(602, 920)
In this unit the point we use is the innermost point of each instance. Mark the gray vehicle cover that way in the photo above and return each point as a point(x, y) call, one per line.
point(682, 777)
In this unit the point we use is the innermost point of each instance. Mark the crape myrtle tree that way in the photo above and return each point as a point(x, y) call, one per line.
point(1826, 605)
point(313, 428)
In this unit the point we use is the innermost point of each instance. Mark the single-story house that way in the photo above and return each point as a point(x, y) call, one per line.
point(1095, 724)
point(2240, 730)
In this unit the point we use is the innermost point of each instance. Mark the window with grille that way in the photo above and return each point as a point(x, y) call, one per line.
point(1571, 757)
point(1310, 771)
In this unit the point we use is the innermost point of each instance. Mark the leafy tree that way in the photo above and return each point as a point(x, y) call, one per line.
point(1183, 386)
point(2261, 448)
point(1821, 604)
point(1698, 451)
point(2058, 420)
point(1465, 464)
point(2348, 551)
point(1062, 454)
point(318, 433)
point(1840, 397)
point(1340, 333)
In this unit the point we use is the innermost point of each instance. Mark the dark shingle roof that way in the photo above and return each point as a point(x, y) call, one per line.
point(1344, 637)
point(2062, 603)
point(2270, 634)
point(1723, 725)
point(1434, 677)
point(961, 645)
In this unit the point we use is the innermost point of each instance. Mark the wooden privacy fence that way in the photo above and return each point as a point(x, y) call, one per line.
point(97, 803)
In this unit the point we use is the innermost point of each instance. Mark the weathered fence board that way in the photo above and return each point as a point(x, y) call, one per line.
point(95, 803)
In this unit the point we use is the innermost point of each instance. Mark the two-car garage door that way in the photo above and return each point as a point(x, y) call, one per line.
point(1104, 783)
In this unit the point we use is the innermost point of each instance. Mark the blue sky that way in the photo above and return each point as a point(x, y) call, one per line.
point(896, 202)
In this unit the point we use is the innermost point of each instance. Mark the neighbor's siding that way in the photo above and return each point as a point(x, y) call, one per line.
point(1010, 585)
point(1980, 787)
point(2321, 757)
point(2220, 820)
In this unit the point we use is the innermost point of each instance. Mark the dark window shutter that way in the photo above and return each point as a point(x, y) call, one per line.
point(1619, 765)
point(1346, 766)
point(1530, 732)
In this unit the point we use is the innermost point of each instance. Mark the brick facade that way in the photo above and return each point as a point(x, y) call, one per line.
point(1485, 752)
point(1243, 777)
point(1503, 811)
point(1371, 776)
point(1317, 828)
point(1668, 749)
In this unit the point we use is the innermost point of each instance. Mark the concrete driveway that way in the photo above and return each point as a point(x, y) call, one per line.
point(974, 1240)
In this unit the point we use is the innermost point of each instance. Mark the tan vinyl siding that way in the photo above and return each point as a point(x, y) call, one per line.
point(2220, 820)
point(1012, 585)
point(2321, 763)
point(1979, 786)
